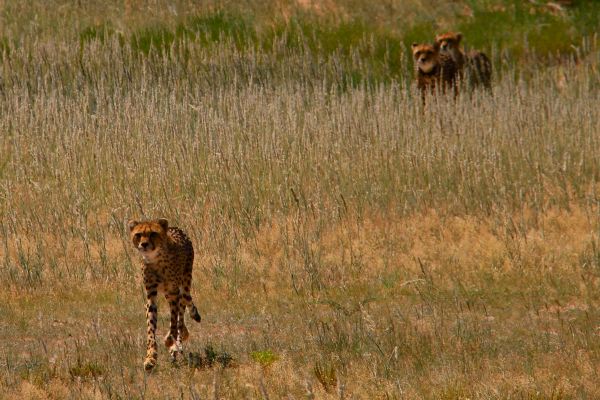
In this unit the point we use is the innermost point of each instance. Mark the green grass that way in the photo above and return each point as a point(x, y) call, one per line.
point(217, 26)
point(510, 31)
point(523, 31)
point(264, 358)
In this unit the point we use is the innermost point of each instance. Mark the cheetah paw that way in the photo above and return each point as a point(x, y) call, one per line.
point(169, 340)
point(149, 364)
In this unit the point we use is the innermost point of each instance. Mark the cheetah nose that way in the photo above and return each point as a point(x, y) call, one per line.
point(144, 244)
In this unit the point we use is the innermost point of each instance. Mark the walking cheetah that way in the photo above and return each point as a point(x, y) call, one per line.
point(167, 260)
point(475, 64)
point(434, 70)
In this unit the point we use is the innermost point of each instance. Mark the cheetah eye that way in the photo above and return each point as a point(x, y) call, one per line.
point(153, 235)
point(137, 236)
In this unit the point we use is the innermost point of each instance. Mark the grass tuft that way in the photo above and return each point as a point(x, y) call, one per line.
point(326, 375)
point(265, 358)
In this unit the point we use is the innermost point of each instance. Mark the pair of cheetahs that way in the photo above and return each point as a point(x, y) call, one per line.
point(444, 65)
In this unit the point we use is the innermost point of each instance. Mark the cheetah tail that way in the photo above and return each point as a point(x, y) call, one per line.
point(194, 314)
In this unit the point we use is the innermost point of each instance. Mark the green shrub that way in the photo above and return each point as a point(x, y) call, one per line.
point(155, 38)
point(216, 27)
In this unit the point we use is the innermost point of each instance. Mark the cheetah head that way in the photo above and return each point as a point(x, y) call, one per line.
point(426, 57)
point(449, 43)
point(148, 236)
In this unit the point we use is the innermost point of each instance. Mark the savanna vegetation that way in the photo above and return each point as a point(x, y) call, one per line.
point(351, 242)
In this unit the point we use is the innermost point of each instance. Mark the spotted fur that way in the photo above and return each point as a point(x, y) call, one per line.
point(475, 68)
point(167, 260)
point(434, 71)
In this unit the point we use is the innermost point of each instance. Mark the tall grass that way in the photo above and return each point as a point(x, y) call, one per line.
point(248, 139)
point(349, 240)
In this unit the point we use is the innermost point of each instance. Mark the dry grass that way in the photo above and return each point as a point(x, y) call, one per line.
point(350, 244)
point(428, 306)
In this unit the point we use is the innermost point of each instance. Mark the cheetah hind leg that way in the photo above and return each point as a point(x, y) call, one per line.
point(182, 332)
point(176, 348)
point(173, 338)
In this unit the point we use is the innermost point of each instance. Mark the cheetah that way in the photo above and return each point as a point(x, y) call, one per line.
point(474, 64)
point(434, 70)
point(167, 259)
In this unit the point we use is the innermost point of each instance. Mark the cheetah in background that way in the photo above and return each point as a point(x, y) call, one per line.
point(434, 70)
point(474, 66)
point(167, 261)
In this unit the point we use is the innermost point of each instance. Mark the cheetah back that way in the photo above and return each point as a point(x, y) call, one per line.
point(183, 244)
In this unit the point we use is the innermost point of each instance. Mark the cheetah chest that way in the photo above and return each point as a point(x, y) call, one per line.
point(164, 276)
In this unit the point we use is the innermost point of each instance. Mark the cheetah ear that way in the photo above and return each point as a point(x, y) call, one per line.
point(164, 223)
point(414, 45)
point(131, 224)
point(458, 37)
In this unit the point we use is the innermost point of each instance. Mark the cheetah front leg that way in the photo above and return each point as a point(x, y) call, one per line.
point(151, 347)
point(151, 317)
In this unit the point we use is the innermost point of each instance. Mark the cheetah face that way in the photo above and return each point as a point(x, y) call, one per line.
point(449, 43)
point(426, 57)
point(148, 237)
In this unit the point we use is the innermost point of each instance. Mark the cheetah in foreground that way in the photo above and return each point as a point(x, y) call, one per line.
point(167, 260)
point(434, 70)
point(474, 65)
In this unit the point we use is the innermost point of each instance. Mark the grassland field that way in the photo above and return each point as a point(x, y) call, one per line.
point(351, 242)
